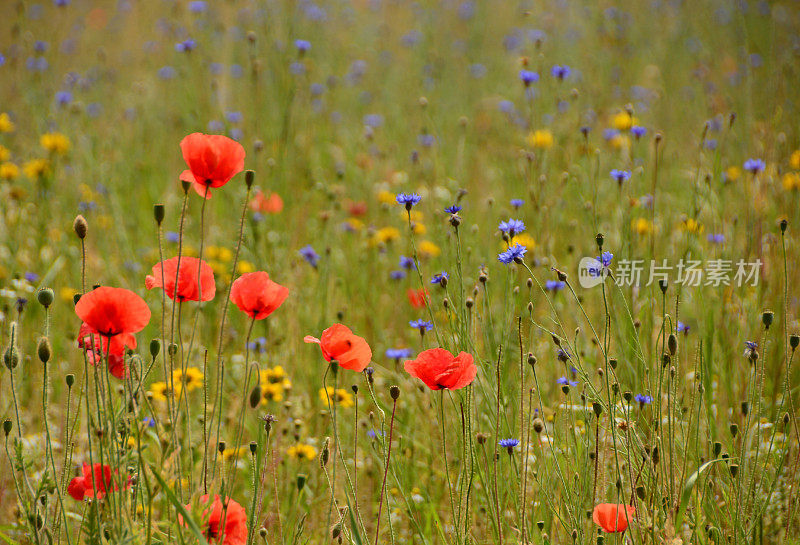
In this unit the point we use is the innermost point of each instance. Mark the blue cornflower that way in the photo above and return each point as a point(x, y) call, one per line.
point(149, 422)
point(560, 72)
point(754, 166)
point(511, 227)
point(233, 117)
point(197, 6)
point(440, 278)
point(508, 443)
point(185, 46)
point(453, 209)
point(517, 203)
point(605, 259)
point(562, 355)
point(608, 134)
point(620, 175)
point(528, 77)
point(638, 131)
point(407, 262)
point(237, 71)
point(63, 98)
point(302, 46)
point(308, 253)
point(717, 238)
point(373, 120)
point(643, 399)
point(373, 433)
point(166, 72)
point(172, 236)
point(398, 353)
point(297, 68)
point(514, 253)
point(505, 106)
point(426, 140)
point(554, 285)
point(31, 277)
point(422, 325)
point(215, 126)
point(564, 381)
point(397, 274)
point(751, 345)
point(683, 328)
point(408, 199)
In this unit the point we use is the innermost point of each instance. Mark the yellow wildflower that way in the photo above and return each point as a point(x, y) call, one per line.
point(623, 121)
point(271, 392)
point(6, 125)
point(733, 173)
point(794, 160)
point(36, 168)
point(67, 294)
point(385, 234)
point(386, 197)
point(5, 153)
point(341, 396)
point(427, 249)
point(542, 139)
point(244, 267)
point(641, 226)
point(419, 228)
point(55, 142)
point(791, 180)
point(354, 224)
point(9, 171)
point(301, 452)
point(160, 390)
point(525, 239)
point(192, 379)
point(691, 225)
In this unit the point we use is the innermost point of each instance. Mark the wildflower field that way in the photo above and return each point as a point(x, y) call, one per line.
point(382, 272)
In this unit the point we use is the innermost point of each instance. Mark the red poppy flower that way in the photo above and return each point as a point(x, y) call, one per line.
point(358, 208)
point(340, 344)
point(212, 159)
point(612, 517)
point(97, 348)
point(187, 278)
point(439, 369)
point(235, 531)
point(113, 311)
point(417, 298)
point(266, 204)
point(256, 295)
point(95, 481)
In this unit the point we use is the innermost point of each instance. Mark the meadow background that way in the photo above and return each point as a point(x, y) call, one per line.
point(341, 106)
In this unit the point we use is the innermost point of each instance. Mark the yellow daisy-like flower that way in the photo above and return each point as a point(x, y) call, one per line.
point(620, 141)
point(732, 173)
point(244, 267)
point(691, 225)
point(428, 249)
point(9, 171)
point(355, 224)
point(5, 153)
point(160, 390)
point(623, 121)
point(791, 180)
point(55, 142)
point(302, 452)
point(36, 168)
point(6, 125)
point(192, 379)
point(236, 452)
point(212, 252)
point(794, 159)
point(419, 229)
point(525, 239)
point(341, 397)
point(387, 197)
point(271, 392)
point(385, 234)
point(273, 375)
point(641, 226)
point(542, 139)
point(67, 294)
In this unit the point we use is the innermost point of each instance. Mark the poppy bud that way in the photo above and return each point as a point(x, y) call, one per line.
point(540, 525)
point(672, 344)
point(597, 408)
point(185, 186)
point(716, 448)
point(665, 359)
point(7, 425)
point(173, 349)
point(11, 357)
point(253, 447)
point(785, 418)
point(221, 447)
point(734, 430)
point(794, 340)
point(745, 408)
point(627, 396)
point(255, 396)
point(301, 481)
point(655, 456)
point(80, 226)
point(158, 213)
point(613, 363)
point(784, 225)
point(538, 425)
point(394, 391)
point(70, 380)
point(324, 454)
point(44, 350)
point(249, 177)
point(76, 298)
point(734, 470)
point(640, 492)
point(767, 318)
point(155, 348)
point(45, 297)
point(599, 239)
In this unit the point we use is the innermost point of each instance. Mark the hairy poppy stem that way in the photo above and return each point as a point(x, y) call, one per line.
point(385, 472)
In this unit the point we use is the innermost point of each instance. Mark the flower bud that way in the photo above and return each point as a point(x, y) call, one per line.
point(155, 348)
point(394, 391)
point(767, 317)
point(255, 396)
point(599, 238)
point(301, 481)
point(44, 350)
point(80, 226)
point(70, 380)
point(7, 426)
point(158, 213)
point(45, 297)
point(249, 177)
